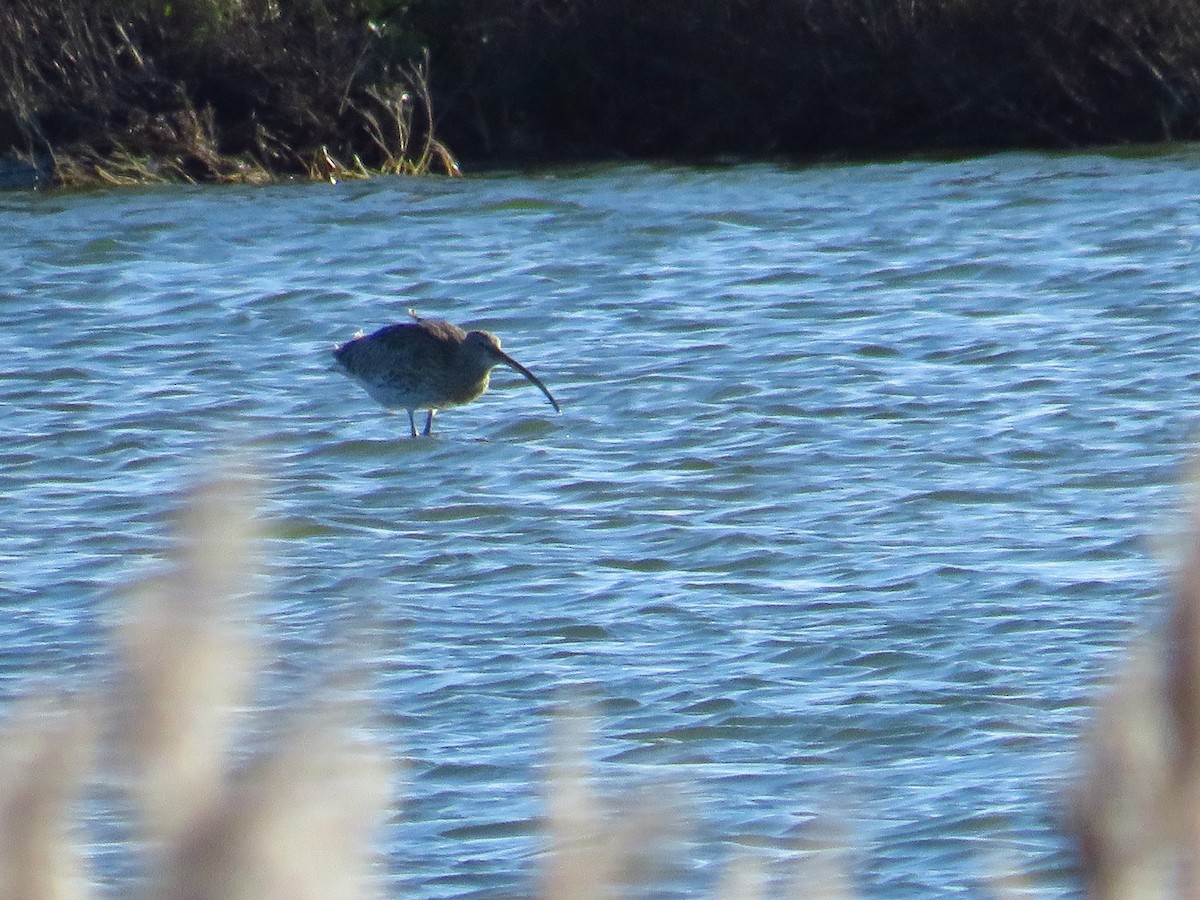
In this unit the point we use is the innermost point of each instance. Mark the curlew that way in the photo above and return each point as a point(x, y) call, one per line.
point(426, 364)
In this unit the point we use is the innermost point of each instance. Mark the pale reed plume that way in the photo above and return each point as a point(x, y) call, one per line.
point(582, 860)
point(1135, 809)
point(295, 821)
point(44, 751)
point(187, 663)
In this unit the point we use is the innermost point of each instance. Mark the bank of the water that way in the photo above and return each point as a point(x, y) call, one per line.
point(247, 90)
point(124, 91)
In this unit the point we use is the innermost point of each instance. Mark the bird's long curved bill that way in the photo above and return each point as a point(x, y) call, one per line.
point(509, 361)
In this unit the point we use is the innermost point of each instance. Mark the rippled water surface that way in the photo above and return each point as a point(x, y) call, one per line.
point(846, 511)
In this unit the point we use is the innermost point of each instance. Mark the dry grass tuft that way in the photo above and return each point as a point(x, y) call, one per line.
point(188, 665)
point(1123, 806)
point(582, 862)
point(296, 824)
point(1135, 811)
point(44, 752)
point(294, 821)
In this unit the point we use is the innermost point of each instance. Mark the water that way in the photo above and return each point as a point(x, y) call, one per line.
point(846, 512)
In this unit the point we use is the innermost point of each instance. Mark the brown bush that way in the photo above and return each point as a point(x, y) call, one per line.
point(207, 90)
point(688, 78)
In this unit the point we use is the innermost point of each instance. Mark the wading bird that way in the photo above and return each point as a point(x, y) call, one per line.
point(426, 364)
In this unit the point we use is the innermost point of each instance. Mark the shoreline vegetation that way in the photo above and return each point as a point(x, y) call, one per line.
point(249, 91)
point(119, 91)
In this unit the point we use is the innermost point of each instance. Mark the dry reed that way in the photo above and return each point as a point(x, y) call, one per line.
point(1135, 811)
point(294, 820)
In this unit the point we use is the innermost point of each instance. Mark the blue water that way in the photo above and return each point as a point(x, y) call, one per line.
point(846, 515)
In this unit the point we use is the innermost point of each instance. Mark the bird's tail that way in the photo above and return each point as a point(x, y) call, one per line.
point(343, 351)
point(342, 354)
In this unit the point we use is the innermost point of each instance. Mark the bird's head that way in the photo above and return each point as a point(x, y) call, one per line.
point(486, 346)
point(484, 343)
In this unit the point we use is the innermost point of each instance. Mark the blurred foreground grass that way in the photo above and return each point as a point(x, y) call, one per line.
point(297, 817)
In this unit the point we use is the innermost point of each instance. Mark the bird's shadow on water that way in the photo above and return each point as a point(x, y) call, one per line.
point(531, 432)
point(374, 448)
point(370, 448)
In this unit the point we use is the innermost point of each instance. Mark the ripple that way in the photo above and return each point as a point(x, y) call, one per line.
point(850, 485)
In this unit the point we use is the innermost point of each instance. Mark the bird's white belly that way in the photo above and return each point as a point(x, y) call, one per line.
point(394, 397)
point(414, 395)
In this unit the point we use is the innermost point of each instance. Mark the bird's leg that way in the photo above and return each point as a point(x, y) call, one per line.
point(429, 421)
point(412, 423)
